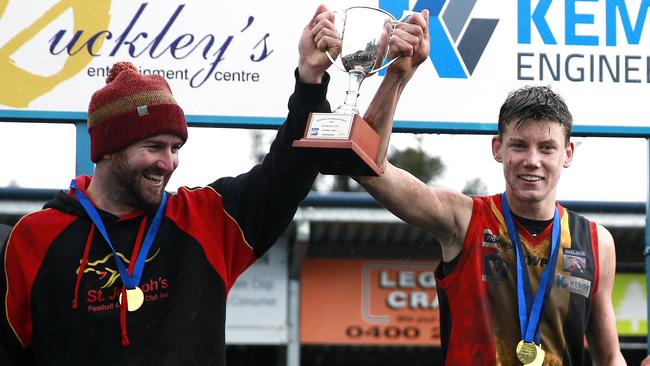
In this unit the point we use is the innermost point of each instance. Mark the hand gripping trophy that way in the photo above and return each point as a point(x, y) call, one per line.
point(342, 142)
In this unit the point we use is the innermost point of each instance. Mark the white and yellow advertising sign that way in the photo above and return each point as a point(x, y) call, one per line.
point(235, 58)
point(225, 58)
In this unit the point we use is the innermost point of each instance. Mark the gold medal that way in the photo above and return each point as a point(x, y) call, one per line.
point(527, 352)
point(539, 357)
point(135, 298)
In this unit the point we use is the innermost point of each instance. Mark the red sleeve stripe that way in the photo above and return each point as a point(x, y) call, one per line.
point(200, 213)
point(29, 242)
point(594, 247)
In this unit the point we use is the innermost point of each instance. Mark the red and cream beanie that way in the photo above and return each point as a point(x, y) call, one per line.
point(129, 108)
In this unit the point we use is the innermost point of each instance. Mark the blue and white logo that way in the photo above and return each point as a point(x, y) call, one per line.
point(457, 40)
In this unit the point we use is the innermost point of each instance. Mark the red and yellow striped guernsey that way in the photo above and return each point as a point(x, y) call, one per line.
point(478, 298)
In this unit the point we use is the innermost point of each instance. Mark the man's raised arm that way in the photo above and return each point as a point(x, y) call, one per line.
point(442, 212)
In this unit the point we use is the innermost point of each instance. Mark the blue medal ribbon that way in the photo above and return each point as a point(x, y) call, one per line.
point(530, 314)
point(129, 281)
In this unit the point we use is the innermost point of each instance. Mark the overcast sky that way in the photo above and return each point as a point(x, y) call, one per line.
point(604, 169)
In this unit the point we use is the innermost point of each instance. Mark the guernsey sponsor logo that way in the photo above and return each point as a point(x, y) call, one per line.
point(575, 261)
point(495, 268)
point(491, 240)
point(577, 285)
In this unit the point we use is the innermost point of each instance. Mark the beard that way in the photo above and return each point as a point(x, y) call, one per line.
point(126, 186)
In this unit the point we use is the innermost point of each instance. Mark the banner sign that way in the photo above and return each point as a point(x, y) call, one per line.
point(630, 304)
point(345, 301)
point(236, 59)
point(256, 310)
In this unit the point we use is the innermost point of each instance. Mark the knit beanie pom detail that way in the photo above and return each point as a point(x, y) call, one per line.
point(117, 68)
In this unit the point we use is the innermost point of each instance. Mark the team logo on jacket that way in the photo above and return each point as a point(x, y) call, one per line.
point(575, 261)
point(105, 288)
point(104, 268)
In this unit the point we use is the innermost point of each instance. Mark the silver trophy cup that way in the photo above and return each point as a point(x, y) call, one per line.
point(364, 47)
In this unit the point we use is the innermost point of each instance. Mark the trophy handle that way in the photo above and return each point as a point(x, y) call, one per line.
point(338, 21)
point(406, 15)
point(340, 67)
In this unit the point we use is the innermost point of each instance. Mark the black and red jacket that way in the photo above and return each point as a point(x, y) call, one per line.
point(59, 280)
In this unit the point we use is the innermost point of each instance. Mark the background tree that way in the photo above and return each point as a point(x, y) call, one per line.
point(475, 187)
point(259, 146)
point(412, 159)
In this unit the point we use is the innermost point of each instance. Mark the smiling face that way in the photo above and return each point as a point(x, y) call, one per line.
point(533, 154)
point(141, 171)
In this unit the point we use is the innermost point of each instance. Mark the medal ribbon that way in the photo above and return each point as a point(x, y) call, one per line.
point(129, 281)
point(529, 316)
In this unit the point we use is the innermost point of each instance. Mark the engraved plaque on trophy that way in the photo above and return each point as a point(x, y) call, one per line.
point(342, 142)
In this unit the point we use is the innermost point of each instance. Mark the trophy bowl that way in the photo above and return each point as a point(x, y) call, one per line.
point(364, 46)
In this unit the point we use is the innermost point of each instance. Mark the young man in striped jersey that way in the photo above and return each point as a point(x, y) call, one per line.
point(522, 279)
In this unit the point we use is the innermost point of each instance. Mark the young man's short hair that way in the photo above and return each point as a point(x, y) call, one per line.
point(534, 103)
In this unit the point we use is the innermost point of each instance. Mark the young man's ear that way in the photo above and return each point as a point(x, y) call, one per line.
point(568, 157)
point(496, 148)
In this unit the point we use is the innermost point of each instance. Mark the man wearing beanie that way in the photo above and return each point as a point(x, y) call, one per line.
point(115, 271)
